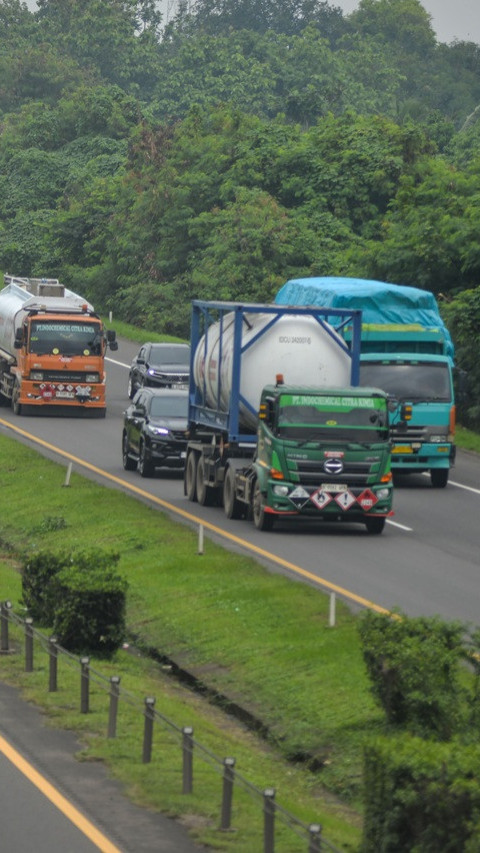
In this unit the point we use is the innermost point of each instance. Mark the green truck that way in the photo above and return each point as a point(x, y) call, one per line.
point(279, 430)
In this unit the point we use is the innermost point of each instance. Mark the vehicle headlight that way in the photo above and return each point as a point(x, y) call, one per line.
point(92, 377)
point(153, 430)
point(382, 494)
point(280, 490)
point(438, 439)
point(37, 375)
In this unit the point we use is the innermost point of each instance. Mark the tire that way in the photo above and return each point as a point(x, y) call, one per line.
point(205, 494)
point(439, 477)
point(130, 388)
point(232, 506)
point(128, 463)
point(16, 405)
point(374, 525)
point(145, 466)
point(190, 478)
point(261, 519)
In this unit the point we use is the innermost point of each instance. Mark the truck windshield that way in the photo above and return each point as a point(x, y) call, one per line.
point(315, 417)
point(65, 337)
point(409, 380)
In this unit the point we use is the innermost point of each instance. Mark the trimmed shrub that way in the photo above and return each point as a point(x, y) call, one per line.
point(414, 667)
point(421, 796)
point(80, 596)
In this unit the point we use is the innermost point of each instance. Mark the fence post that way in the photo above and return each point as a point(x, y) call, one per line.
point(52, 664)
point(29, 644)
point(5, 606)
point(148, 729)
point(227, 795)
point(187, 749)
point(84, 685)
point(268, 820)
point(315, 831)
point(112, 713)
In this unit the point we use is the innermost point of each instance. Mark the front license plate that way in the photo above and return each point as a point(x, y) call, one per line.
point(333, 487)
point(65, 395)
point(402, 448)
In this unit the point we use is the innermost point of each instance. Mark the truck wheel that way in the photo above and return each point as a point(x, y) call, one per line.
point(439, 477)
point(145, 466)
point(190, 479)
point(16, 405)
point(128, 463)
point(374, 524)
point(205, 494)
point(232, 506)
point(261, 519)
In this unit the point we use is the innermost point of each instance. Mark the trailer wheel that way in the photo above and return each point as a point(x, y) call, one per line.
point(190, 479)
point(439, 477)
point(232, 506)
point(261, 519)
point(16, 405)
point(205, 494)
point(374, 524)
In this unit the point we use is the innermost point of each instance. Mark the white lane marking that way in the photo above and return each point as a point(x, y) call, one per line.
point(400, 526)
point(120, 363)
point(458, 485)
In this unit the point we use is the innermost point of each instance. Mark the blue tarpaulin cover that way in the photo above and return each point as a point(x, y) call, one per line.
point(380, 302)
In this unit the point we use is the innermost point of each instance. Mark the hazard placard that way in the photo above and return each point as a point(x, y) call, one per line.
point(321, 499)
point(345, 499)
point(367, 499)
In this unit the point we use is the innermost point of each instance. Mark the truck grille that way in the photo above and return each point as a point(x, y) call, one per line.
point(65, 376)
point(311, 473)
point(412, 432)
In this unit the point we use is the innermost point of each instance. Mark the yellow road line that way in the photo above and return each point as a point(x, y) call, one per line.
point(65, 806)
point(358, 599)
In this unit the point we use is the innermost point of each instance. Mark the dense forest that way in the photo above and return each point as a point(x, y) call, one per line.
point(244, 142)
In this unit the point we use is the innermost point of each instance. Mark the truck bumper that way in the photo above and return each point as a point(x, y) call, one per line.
point(353, 504)
point(58, 396)
point(423, 457)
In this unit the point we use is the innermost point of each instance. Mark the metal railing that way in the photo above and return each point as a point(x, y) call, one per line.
point(273, 813)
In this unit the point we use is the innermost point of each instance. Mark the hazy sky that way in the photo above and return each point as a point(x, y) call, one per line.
point(451, 19)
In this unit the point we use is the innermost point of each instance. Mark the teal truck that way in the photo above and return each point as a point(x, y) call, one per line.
point(278, 429)
point(407, 351)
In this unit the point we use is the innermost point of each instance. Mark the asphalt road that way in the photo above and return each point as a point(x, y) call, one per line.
point(425, 562)
point(52, 802)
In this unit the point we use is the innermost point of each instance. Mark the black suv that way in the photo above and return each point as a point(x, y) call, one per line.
point(159, 366)
point(154, 430)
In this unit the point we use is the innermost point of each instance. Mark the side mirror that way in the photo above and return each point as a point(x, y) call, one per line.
point(111, 336)
point(18, 342)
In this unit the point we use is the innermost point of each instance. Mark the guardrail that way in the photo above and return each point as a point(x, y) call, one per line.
point(273, 813)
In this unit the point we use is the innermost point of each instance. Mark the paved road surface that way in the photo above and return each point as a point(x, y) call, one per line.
point(32, 823)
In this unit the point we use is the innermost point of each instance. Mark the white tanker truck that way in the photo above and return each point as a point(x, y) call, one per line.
point(52, 349)
point(278, 428)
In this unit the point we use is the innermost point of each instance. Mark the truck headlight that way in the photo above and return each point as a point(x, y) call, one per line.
point(37, 375)
point(438, 439)
point(280, 490)
point(382, 494)
point(92, 377)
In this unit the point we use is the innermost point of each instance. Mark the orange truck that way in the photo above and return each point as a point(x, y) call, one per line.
point(52, 349)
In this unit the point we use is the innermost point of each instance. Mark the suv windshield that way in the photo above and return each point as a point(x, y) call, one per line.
point(169, 406)
point(176, 354)
point(315, 417)
point(65, 337)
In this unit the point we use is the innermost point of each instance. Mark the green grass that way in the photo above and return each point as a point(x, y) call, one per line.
point(467, 440)
point(132, 333)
